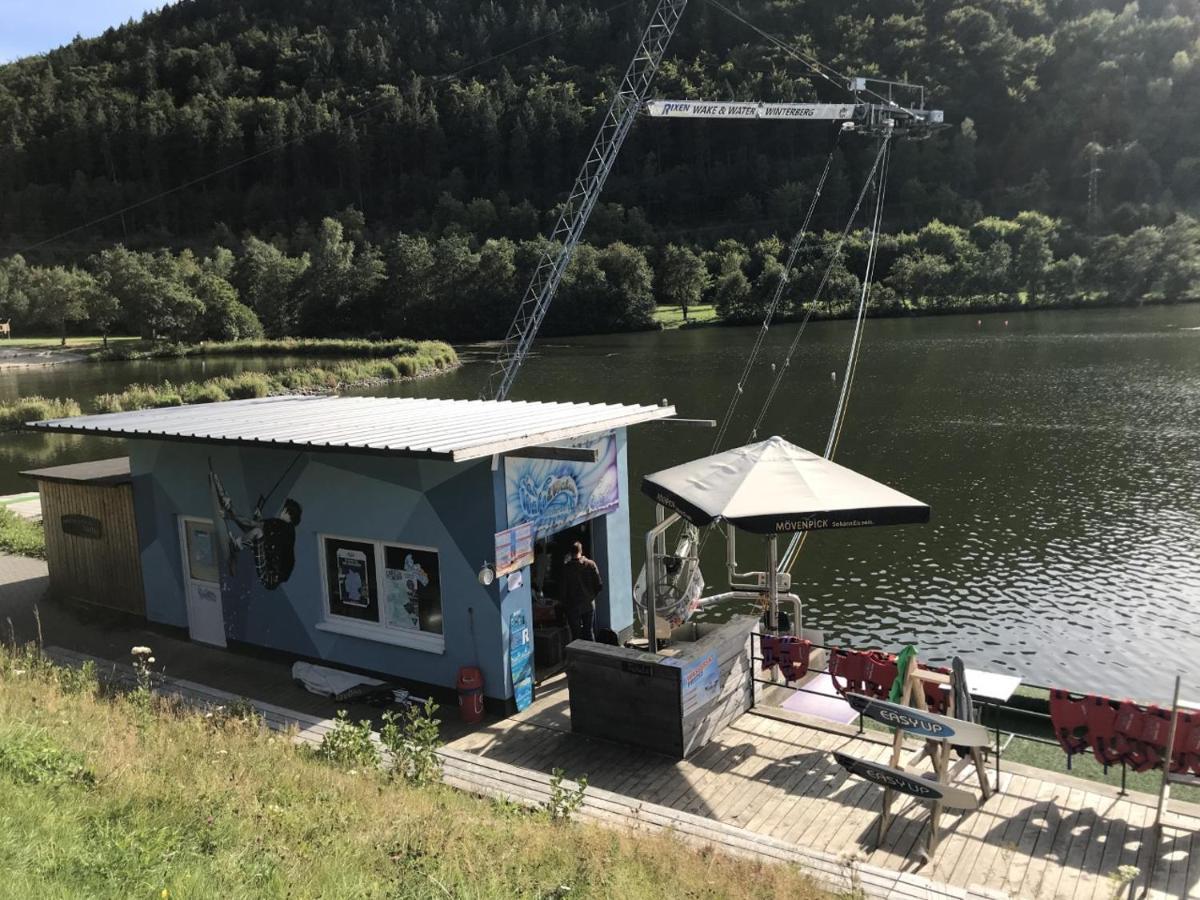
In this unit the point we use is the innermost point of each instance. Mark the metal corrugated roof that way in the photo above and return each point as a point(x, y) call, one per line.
point(444, 429)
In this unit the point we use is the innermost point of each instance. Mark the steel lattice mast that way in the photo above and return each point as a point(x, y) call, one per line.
point(624, 109)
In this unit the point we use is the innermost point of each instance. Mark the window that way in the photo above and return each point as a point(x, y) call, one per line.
point(383, 591)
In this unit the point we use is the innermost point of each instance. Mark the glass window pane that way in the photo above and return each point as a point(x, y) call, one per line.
point(201, 551)
point(412, 589)
point(350, 574)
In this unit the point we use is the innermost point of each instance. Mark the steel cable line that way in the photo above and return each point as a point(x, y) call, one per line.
point(796, 544)
point(793, 250)
point(371, 107)
point(781, 371)
point(830, 74)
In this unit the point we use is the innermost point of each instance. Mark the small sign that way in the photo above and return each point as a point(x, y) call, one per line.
point(921, 724)
point(514, 548)
point(913, 785)
point(82, 526)
point(700, 683)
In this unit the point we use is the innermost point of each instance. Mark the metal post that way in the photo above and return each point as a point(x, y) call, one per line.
point(772, 583)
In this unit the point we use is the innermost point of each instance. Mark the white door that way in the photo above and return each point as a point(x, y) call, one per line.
point(202, 582)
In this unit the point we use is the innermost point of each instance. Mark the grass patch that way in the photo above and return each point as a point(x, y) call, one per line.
point(20, 536)
point(329, 347)
point(105, 800)
point(81, 343)
point(429, 358)
point(34, 409)
point(672, 316)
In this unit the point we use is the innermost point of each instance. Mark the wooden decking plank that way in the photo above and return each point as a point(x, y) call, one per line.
point(1032, 817)
point(1047, 843)
point(994, 852)
point(790, 793)
point(770, 775)
point(1101, 836)
point(1069, 852)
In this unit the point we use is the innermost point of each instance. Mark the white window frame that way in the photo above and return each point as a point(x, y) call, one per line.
point(380, 632)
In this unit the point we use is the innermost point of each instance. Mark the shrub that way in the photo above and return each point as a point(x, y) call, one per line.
point(20, 536)
point(347, 745)
point(564, 801)
point(202, 392)
point(35, 409)
point(413, 739)
point(28, 756)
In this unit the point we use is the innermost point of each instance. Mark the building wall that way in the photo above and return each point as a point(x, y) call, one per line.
point(455, 508)
point(430, 504)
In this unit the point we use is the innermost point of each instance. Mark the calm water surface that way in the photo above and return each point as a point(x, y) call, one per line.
point(1060, 454)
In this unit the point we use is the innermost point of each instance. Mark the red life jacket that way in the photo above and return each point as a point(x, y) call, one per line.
point(1068, 716)
point(879, 674)
point(769, 644)
point(794, 654)
point(850, 666)
point(1141, 735)
point(1102, 730)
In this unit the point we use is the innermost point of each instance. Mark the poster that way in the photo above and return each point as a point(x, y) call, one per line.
point(514, 548)
point(553, 494)
point(354, 589)
point(412, 589)
point(700, 683)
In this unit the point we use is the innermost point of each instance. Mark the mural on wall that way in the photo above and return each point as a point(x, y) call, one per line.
point(271, 540)
point(556, 494)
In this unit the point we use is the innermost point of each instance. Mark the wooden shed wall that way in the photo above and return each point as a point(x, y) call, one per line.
point(106, 570)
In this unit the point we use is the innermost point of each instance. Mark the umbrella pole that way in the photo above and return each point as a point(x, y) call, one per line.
point(772, 583)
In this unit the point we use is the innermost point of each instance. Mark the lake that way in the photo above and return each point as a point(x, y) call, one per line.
point(1059, 450)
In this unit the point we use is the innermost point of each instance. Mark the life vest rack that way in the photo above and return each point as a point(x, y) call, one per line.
point(1122, 731)
point(873, 672)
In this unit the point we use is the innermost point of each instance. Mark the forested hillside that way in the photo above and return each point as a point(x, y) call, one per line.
point(392, 123)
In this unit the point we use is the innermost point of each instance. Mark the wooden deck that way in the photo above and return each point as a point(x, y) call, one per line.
point(1043, 836)
point(769, 776)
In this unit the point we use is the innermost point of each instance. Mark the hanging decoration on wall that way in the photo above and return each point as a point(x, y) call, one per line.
point(555, 494)
point(271, 540)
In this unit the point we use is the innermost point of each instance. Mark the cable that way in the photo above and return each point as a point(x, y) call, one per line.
point(793, 250)
point(833, 259)
point(435, 79)
point(819, 68)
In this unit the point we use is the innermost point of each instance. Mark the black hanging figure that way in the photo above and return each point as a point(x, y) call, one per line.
point(273, 541)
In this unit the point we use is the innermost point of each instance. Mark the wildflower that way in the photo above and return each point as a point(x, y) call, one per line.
point(165, 894)
point(141, 651)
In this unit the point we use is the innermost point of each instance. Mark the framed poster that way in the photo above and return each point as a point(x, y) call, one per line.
point(350, 577)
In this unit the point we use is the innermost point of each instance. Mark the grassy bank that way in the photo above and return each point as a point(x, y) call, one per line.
point(423, 358)
point(315, 379)
point(327, 347)
point(672, 316)
point(21, 537)
point(30, 409)
point(85, 343)
point(117, 796)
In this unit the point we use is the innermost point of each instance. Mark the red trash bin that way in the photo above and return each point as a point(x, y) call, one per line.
point(470, 694)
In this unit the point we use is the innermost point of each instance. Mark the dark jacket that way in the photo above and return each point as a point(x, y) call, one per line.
point(580, 583)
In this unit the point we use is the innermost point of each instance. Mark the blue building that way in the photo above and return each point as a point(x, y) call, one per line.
point(355, 530)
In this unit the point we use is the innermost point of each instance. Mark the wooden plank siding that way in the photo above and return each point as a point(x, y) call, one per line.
point(105, 570)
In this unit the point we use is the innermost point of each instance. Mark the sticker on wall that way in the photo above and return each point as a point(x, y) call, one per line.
point(270, 540)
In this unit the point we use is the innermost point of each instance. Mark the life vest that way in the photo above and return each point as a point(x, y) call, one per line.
point(1141, 735)
point(1187, 743)
point(848, 665)
point(1102, 730)
point(937, 699)
point(1068, 717)
point(794, 654)
point(879, 674)
point(769, 644)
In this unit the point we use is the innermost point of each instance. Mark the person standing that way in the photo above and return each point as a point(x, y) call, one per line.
point(581, 584)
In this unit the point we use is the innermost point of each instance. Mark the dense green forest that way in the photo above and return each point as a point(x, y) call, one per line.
point(376, 166)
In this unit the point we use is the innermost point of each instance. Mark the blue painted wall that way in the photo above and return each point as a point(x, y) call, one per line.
point(456, 508)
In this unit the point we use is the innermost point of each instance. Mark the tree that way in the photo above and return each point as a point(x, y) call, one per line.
point(682, 278)
point(59, 295)
point(102, 308)
point(268, 281)
point(14, 281)
point(1035, 232)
